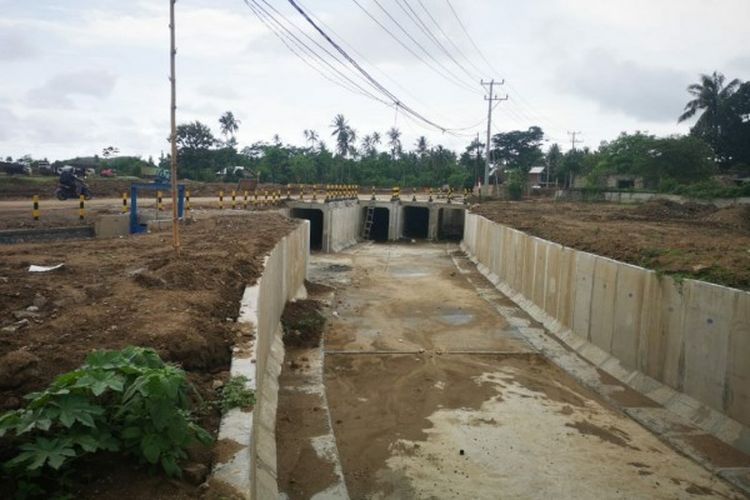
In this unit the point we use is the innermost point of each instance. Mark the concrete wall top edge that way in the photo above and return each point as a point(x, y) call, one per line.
point(650, 271)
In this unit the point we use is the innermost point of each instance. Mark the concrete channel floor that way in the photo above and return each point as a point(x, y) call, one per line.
point(426, 391)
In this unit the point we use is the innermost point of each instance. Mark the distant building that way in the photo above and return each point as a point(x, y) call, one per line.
point(624, 181)
point(538, 177)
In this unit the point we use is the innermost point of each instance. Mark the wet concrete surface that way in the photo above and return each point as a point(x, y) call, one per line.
point(432, 393)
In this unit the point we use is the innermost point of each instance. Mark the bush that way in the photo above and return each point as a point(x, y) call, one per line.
point(126, 401)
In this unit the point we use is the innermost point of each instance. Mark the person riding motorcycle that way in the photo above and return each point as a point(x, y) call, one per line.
point(70, 180)
point(71, 183)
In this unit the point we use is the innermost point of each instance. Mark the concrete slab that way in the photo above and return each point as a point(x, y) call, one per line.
point(737, 402)
point(708, 319)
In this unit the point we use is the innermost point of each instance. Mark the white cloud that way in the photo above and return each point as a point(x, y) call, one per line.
point(60, 90)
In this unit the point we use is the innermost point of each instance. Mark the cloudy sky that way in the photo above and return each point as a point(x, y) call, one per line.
point(81, 75)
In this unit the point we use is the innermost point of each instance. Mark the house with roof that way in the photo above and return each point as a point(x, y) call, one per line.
point(538, 177)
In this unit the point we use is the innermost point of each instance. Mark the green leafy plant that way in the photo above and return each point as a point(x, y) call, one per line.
point(128, 401)
point(235, 394)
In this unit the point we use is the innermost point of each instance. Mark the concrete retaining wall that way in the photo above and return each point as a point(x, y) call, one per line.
point(259, 354)
point(343, 225)
point(685, 344)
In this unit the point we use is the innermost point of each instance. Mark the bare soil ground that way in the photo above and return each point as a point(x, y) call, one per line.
point(691, 240)
point(130, 291)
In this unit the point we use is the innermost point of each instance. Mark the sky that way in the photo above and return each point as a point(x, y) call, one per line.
point(81, 75)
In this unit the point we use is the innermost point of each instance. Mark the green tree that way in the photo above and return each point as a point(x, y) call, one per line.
point(344, 134)
point(518, 149)
point(711, 98)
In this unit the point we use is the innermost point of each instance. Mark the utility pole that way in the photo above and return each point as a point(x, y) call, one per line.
point(573, 142)
point(173, 135)
point(491, 99)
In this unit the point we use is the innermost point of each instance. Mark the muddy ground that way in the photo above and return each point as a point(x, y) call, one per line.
point(692, 240)
point(130, 291)
point(428, 385)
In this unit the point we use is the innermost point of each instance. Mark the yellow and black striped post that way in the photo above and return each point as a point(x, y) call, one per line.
point(81, 207)
point(124, 203)
point(396, 196)
point(265, 197)
point(221, 200)
point(255, 199)
point(187, 202)
point(450, 194)
point(315, 192)
point(234, 199)
point(35, 210)
point(466, 196)
point(288, 191)
point(244, 200)
point(413, 194)
point(372, 198)
point(430, 198)
point(301, 192)
point(159, 201)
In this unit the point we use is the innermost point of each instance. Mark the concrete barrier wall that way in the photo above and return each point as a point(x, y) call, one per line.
point(282, 280)
point(691, 336)
point(343, 225)
point(259, 354)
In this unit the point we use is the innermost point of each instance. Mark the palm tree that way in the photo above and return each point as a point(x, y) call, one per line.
point(711, 96)
point(312, 137)
point(394, 141)
point(229, 126)
point(422, 146)
point(345, 135)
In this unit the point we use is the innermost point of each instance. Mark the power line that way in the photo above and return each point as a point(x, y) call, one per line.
point(304, 47)
point(367, 75)
point(365, 59)
point(449, 76)
point(412, 14)
point(449, 39)
point(302, 58)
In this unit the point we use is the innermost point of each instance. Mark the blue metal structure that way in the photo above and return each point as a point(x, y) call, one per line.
point(157, 186)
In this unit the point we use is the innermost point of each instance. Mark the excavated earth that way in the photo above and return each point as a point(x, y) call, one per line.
point(131, 291)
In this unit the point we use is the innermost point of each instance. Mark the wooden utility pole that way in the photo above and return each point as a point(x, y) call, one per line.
point(173, 135)
point(491, 99)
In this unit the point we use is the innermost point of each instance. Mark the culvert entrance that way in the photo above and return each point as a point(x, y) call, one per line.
point(416, 222)
point(380, 222)
point(315, 216)
point(451, 224)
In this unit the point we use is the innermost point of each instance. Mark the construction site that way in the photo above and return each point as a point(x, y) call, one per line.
point(409, 346)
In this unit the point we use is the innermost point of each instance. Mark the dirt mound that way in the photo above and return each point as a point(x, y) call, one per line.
point(303, 324)
point(130, 291)
point(735, 217)
point(667, 209)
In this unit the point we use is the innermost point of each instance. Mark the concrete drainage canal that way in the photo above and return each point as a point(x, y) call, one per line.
point(427, 382)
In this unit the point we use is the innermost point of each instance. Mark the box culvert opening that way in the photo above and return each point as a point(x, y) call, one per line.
point(451, 224)
point(416, 222)
point(315, 216)
point(380, 222)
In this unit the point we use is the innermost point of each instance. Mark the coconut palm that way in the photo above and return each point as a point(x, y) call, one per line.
point(710, 96)
point(229, 126)
point(422, 146)
point(394, 141)
point(312, 137)
point(345, 135)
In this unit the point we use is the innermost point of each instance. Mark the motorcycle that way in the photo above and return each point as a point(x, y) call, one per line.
point(65, 192)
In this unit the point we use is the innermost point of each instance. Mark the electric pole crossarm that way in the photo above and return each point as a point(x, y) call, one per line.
point(491, 98)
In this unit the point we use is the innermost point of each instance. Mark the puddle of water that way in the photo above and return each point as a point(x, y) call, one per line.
point(456, 317)
point(412, 272)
